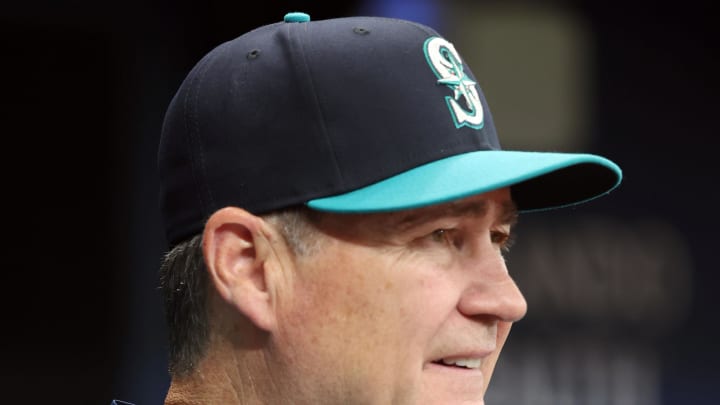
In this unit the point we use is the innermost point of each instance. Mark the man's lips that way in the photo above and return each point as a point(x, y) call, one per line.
point(455, 371)
point(454, 382)
point(471, 363)
point(469, 360)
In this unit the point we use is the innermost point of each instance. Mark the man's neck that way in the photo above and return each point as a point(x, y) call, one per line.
point(224, 376)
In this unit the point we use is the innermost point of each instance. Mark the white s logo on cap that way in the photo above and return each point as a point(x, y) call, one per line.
point(446, 64)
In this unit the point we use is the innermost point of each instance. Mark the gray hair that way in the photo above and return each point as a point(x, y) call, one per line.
point(184, 283)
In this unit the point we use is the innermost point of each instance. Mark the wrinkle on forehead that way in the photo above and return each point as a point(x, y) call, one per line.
point(504, 212)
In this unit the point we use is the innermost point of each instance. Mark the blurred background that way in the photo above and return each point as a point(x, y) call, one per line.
point(622, 291)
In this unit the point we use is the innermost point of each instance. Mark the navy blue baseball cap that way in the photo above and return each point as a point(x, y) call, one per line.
point(346, 115)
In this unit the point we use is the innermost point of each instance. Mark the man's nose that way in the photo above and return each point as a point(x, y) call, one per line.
point(490, 291)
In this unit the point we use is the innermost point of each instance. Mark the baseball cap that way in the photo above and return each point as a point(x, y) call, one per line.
point(346, 115)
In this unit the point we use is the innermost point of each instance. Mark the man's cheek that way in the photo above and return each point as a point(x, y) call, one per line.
point(503, 330)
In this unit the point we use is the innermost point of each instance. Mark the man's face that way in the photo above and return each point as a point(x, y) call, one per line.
point(411, 307)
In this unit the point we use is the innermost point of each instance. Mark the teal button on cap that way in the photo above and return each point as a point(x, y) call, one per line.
point(297, 17)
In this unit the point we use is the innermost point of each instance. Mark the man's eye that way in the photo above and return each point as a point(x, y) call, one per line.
point(502, 239)
point(439, 235)
point(449, 237)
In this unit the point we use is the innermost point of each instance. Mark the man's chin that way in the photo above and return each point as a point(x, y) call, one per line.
point(450, 385)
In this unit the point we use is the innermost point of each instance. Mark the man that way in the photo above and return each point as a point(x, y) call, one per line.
point(337, 206)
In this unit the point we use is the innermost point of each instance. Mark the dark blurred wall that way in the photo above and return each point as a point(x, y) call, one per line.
point(84, 91)
point(85, 87)
point(658, 89)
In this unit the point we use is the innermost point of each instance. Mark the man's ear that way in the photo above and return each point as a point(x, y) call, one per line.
point(236, 252)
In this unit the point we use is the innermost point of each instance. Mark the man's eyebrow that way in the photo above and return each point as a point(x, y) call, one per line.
point(508, 213)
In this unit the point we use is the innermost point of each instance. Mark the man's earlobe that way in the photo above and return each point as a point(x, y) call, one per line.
point(236, 266)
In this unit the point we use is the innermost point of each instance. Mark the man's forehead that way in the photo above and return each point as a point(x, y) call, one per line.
point(503, 209)
point(497, 203)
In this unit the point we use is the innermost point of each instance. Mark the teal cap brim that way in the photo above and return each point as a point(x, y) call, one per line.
point(538, 181)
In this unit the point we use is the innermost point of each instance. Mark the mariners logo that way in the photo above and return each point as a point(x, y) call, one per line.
point(464, 104)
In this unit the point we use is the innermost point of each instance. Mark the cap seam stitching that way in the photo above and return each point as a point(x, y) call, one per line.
point(316, 102)
point(194, 139)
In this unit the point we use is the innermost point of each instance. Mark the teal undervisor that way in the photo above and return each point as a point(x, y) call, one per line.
point(465, 175)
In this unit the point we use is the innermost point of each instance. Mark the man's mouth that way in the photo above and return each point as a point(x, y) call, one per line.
point(469, 363)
